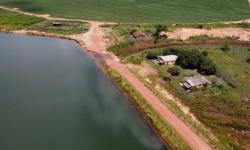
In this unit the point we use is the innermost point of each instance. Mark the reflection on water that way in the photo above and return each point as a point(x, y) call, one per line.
point(52, 97)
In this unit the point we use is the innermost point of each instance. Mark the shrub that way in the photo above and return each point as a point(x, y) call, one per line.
point(190, 59)
point(152, 55)
point(175, 70)
point(121, 45)
point(244, 25)
point(207, 67)
point(225, 47)
point(205, 53)
point(136, 59)
point(158, 29)
point(200, 26)
point(248, 60)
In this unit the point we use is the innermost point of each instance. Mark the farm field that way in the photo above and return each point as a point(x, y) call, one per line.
point(143, 11)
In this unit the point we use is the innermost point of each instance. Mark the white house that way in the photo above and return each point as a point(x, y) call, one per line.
point(168, 59)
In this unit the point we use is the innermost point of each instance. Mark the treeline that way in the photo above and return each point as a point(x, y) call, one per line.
point(188, 59)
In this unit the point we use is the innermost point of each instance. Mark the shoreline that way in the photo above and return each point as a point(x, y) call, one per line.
point(103, 66)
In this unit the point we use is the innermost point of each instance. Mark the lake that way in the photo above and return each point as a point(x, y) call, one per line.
point(53, 97)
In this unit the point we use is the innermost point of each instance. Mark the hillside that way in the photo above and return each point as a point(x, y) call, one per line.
point(153, 11)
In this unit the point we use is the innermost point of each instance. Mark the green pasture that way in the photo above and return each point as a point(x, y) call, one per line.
point(151, 11)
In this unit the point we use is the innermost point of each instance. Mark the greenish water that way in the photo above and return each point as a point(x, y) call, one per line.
point(53, 97)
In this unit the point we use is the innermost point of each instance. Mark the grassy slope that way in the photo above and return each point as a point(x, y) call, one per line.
point(12, 21)
point(177, 11)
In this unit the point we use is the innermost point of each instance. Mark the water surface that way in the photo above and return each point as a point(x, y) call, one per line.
point(53, 97)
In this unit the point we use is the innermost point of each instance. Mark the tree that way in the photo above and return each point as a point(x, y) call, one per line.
point(207, 67)
point(151, 55)
point(190, 59)
point(175, 70)
point(159, 28)
point(248, 60)
point(225, 47)
point(133, 31)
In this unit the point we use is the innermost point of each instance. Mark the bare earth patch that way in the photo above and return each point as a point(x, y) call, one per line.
point(186, 33)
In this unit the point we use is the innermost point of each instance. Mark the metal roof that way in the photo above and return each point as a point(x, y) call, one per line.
point(196, 80)
point(168, 58)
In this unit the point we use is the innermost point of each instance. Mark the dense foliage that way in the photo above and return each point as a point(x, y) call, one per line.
point(193, 59)
point(175, 70)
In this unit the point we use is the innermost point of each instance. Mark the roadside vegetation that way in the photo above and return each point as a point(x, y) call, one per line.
point(143, 11)
point(168, 133)
point(13, 21)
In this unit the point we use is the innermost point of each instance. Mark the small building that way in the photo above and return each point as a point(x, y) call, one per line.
point(168, 59)
point(138, 35)
point(195, 82)
point(54, 23)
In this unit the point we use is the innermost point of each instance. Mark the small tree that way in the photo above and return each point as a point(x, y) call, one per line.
point(133, 31)
point(207, 67)
point(151, 55)
point(225, 47)
point(248, 60)
point(175, 70)
point(158, 29)
point(200, 26)
point(244, 24)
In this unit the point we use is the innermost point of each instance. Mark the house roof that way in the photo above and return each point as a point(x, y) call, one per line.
point(196, 80)
point(168, 58)
point(138, 34)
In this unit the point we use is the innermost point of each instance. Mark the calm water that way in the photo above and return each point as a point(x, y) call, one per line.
point(52, 97)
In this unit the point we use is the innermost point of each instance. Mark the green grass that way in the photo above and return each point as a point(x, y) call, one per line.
point(67, 27)
point(168, 133)
point(153, 11)
point(13, 21)
point(223, 106)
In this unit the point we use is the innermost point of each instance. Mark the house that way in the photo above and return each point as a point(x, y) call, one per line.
point(56, 23)
point(138, 35)
point(168, 59)
point(195, 82)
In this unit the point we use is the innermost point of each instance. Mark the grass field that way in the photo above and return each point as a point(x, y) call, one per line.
point(153, 11)
point(13, 21)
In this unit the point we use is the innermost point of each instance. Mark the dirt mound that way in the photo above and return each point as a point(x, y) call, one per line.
point(186, 33)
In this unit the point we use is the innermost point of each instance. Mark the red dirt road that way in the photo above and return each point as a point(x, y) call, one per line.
point(94, 42)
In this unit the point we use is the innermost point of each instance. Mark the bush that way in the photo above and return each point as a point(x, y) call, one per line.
point(248, 60)
point(244, 25)
point(200, 26)
point(190, 59)
point(175, 71)
point(152, 55)
point(225, 47)
point(121, 45)
point(207, 67)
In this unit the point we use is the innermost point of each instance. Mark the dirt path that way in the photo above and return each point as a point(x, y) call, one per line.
point(95, 42)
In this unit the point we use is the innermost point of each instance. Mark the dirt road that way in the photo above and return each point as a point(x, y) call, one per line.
point(95, 42)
